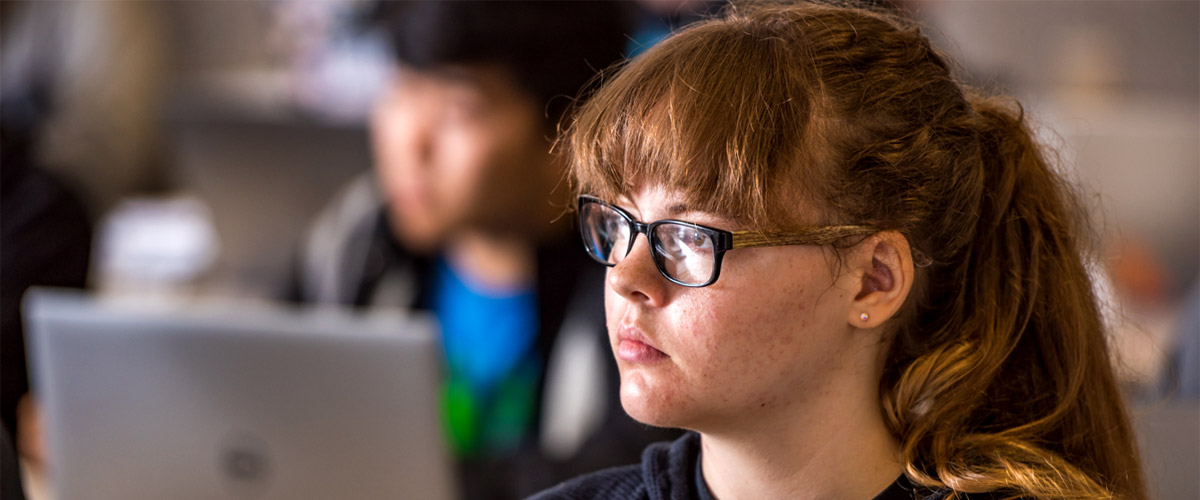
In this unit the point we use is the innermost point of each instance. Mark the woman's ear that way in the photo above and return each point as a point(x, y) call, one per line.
point(884, 262)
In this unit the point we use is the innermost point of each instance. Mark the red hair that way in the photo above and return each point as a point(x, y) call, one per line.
point(997, 376)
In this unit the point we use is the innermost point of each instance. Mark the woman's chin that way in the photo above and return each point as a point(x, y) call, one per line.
point(649, 403)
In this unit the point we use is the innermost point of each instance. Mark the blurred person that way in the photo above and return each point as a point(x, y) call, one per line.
point(1134, 290)
point(101, 68)
point(458, 218)
point(850, 275)
point(45, 228)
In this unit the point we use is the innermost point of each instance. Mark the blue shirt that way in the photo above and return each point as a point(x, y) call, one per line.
point(488, 337)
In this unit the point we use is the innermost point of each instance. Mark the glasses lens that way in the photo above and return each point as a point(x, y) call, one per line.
point(685, 253)
point(603, 231)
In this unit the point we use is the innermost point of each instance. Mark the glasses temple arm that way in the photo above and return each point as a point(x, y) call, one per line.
point(824, 235)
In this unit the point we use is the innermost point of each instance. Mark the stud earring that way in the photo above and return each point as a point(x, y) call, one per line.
point(864, 316)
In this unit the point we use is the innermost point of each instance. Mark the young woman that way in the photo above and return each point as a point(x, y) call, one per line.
point(849, 274)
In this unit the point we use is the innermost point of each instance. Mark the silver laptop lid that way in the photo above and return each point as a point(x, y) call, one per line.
point(222, 401)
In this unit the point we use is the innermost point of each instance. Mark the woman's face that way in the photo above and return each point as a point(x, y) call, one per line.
point(769, 335)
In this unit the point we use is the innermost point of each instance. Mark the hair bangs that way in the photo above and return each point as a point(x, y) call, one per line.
point(717, 112)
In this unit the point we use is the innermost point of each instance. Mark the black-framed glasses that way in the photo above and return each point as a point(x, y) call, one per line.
point(685, 253)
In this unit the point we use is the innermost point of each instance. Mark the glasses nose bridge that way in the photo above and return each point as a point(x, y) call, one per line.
point(642, 228)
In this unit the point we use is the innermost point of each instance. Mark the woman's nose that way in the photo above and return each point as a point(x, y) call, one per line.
point(636, 278)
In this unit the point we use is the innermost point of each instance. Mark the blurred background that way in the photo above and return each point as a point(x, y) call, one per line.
point(200, 138)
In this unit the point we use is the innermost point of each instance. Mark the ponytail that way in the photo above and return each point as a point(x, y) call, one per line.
point(996, 375)
point(1011, 389)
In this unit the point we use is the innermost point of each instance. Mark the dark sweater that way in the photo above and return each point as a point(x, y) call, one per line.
point(671, 471)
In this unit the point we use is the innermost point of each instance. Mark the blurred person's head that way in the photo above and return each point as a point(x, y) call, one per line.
point(462, 134)
point(930, 259)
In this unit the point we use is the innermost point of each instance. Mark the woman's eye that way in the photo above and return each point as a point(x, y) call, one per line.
point(695, 239)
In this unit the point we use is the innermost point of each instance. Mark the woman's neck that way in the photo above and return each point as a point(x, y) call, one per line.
point(837, 448)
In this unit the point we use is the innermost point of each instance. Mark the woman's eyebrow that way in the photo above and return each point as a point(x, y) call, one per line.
point(677, 209)
point(683, 211)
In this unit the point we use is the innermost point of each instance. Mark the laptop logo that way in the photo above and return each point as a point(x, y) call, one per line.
point(245, 465)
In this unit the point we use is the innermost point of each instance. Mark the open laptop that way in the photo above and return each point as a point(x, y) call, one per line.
point(223, 401)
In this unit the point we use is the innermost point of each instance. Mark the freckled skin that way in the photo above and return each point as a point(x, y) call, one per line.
point(769, 335)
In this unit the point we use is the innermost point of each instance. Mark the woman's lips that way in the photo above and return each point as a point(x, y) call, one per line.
point(634, 347)
point(632, 351)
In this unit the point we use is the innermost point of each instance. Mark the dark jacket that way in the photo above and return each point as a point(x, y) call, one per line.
point(352, 258)
point(47, 233)
point(671, 471)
